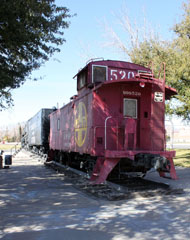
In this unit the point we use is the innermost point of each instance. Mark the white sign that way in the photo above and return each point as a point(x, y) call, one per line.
point(158, 96)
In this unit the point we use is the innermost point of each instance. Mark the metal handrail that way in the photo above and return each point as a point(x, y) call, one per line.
point(117, 127)
point(105, 131)
point(95, 59)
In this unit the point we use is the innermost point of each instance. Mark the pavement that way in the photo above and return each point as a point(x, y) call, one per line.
point(36, 203)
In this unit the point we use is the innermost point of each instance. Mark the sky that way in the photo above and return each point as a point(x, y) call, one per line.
point(85, 39)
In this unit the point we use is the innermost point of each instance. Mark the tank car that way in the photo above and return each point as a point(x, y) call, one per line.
point(115, 124)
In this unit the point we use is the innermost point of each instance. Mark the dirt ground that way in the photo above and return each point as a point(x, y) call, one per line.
point(37, 203)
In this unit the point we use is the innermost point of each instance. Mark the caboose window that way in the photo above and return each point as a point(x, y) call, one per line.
point(130, 108)
point(81, 80)
point(99, 73)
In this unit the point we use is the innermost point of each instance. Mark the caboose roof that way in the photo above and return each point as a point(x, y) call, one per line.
point(169, 91)
point(116, 64)
point(143, 74)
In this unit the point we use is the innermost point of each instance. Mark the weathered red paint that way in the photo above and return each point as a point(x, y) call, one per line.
point(105, 169)
point(94, 122)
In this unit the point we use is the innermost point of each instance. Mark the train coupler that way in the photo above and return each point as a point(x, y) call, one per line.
point(159, 163)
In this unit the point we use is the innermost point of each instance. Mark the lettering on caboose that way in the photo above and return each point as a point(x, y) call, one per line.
point(132, 93)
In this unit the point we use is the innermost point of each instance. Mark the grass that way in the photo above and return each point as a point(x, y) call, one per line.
point(182, 158)
point(8, 147)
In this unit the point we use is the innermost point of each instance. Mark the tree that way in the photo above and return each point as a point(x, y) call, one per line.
point(146, 46)
point(12, 133)
point(30, 32)
point(182, 43)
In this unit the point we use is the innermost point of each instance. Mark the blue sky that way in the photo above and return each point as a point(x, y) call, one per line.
point(85, 39)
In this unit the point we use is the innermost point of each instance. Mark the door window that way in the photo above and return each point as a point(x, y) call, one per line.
point(130, 108)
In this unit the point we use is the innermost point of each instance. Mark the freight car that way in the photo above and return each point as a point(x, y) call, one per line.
point(36, 132)
point(115, 124)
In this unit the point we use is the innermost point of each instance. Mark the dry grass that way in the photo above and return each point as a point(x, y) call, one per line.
point(182, 158)
point(8, 147)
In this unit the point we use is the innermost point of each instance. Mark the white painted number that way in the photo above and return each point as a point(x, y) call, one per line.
point(120, 74)
point(123, 74)
point(113, 75)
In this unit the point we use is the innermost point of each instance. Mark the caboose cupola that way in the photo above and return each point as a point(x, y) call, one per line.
point(108, 71)
point(98, 72)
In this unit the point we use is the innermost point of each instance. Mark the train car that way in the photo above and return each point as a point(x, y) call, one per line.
point(116, 122)
point(37, 131)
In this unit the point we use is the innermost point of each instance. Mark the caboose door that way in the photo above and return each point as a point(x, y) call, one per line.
point(130, 112)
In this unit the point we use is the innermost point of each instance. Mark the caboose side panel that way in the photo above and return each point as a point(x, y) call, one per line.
point(61, 134)
point(145, 117)
point(71, 127)
point(105, 121)
point(66, 132)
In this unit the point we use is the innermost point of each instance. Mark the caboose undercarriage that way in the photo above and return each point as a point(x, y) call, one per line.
point(132, 162)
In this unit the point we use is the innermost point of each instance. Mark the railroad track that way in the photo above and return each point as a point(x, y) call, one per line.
point(117, 189)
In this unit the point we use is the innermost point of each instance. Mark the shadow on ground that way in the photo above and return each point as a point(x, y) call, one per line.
point(36, 203)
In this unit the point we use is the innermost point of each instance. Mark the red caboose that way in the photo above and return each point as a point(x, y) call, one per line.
point(115, 122)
